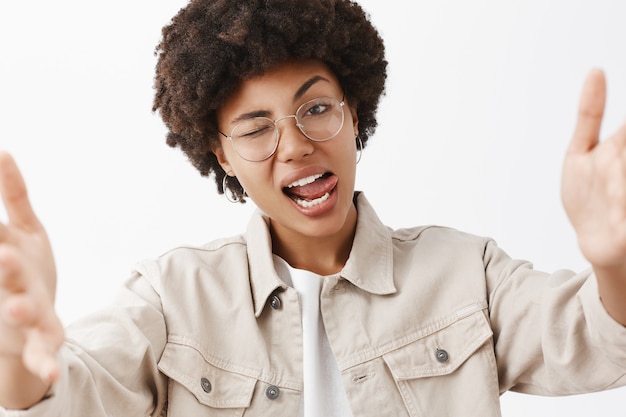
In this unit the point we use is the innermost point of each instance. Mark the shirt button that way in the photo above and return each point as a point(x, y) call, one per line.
point(275, 302)
point(340, 286)
point(272, 392)
point(206, 385)
point(442, 356)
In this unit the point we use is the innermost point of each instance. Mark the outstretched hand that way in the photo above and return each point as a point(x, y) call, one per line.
point(594, 195)
point(31, 333)
point(594, 180)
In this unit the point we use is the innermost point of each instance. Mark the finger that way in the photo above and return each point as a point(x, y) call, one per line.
point(39, 356)
point(590, 111)
point(14, 194)
point(10, 278)
point(44, 343)
point(21, 310)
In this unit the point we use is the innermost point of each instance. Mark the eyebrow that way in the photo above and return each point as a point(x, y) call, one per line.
point(306, 85)
point(251, 115)
point(298, 95)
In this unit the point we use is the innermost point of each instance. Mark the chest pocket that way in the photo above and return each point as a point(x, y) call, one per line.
point(452, 371)
point(197, 387)
point(195, 384)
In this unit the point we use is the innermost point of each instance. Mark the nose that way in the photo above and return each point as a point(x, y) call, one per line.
point(292, 144)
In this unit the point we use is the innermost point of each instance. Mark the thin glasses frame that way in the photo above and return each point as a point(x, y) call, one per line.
point(300, 126)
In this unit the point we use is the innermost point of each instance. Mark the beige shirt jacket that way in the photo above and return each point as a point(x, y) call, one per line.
point(426, 321)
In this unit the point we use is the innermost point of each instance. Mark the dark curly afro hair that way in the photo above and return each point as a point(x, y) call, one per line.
point(210, 46)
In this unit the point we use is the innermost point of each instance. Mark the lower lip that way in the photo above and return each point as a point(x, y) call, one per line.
point(319, 209)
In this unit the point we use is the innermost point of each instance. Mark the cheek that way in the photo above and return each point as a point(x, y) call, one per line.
point(256, 180)
point(348, 143)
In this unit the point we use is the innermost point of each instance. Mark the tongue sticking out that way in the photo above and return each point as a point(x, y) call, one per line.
point(314, 190)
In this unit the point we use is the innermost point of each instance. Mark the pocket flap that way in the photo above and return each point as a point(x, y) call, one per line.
point(441, 352)
point(212, 386)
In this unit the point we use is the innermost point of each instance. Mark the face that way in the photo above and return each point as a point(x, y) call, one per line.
point(305, 187)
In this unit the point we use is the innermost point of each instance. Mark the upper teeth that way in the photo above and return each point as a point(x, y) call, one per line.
point(304, 181)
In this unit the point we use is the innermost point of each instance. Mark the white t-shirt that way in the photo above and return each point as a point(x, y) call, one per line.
point(324, 395)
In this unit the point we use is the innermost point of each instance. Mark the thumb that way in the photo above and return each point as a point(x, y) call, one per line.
point(14, 195)
point(590, 111)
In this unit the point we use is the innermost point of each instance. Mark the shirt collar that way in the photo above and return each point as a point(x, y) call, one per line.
point(369, 266)
point(263, 277)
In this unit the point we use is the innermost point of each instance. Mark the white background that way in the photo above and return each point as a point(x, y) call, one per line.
point(480, 105)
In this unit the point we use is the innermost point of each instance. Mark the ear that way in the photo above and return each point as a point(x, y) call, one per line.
point(355, 120)
point(222, 160)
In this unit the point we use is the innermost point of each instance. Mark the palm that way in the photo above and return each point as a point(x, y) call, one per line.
point(594, 181)
point(28, 323)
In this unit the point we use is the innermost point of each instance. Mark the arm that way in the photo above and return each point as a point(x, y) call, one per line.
point(594, 195)
point(110, 357)
point(31, 331)
point(552, 334)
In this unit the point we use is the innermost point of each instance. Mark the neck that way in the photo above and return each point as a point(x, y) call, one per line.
point(323, 255)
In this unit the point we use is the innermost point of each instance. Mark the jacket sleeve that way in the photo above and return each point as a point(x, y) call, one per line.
point(552, 334)
point(109, 361)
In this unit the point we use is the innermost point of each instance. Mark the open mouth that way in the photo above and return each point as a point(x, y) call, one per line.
point(313, 190)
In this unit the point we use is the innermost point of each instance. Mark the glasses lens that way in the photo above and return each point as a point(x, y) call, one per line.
point(321, 119)
point(255, 139)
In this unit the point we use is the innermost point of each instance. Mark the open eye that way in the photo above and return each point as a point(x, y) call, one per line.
point(317, 109)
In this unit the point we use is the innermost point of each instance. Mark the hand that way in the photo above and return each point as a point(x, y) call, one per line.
point(31, 331)
point(594, 181)
point(594, 195)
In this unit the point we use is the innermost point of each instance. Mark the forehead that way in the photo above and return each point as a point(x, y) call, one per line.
point(280, 83)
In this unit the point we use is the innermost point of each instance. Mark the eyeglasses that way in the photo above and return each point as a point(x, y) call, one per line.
point(256, 139)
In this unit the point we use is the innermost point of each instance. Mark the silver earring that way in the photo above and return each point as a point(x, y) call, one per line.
point(230, 196)
point(359, 150)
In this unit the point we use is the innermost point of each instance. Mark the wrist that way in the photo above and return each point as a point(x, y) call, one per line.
point(612, 289)
point(19, 388)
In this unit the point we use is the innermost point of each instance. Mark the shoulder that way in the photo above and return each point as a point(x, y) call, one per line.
point(215, 249)
point(438, 235)
point(193, 261)
point(211, 248)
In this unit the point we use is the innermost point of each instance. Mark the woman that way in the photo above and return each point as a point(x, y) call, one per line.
point(319, 309)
